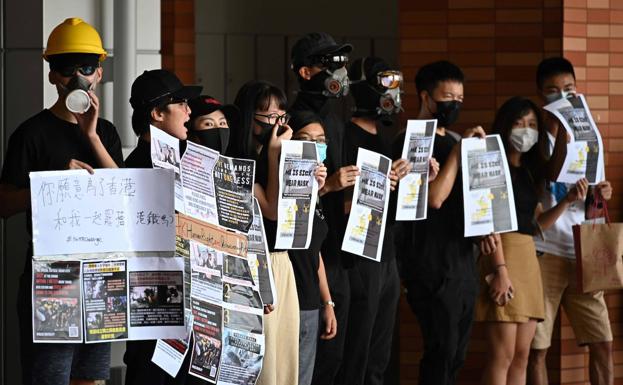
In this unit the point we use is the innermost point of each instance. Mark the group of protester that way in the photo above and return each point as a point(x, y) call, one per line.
point(335, 320)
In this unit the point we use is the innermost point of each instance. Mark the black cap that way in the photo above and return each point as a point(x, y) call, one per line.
point(302, 118)
point(315, 44)
point(152, 87)
point(204, 105)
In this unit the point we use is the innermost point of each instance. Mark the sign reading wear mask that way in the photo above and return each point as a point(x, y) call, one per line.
point(298, 192)
point(413, 188)
point(489, 203)
point(365, 229)
point(585, 151)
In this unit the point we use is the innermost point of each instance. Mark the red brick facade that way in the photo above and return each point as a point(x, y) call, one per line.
point(178, 38)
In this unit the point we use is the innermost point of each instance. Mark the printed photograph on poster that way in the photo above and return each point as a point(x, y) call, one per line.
point(412, 203)
point(234, 319)
point(585, 152)
point(206, 273)
point(197, 182)
point(259, 258)
point(105, 300)
point(156, 287)
point(242, 298)
point(298, 192)
point(242, 357)
point(365, 228)
point(56, 302)
point(233, 183)
point(182, 250)
point(112, 210)
point(489, 203)
point(236, 270)
point(165, 153)
point(206, 350)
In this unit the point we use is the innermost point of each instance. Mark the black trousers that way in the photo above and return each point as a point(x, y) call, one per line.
point(329, 353)
point(444, 308)
point(375, 290)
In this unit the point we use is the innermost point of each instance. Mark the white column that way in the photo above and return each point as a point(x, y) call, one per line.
point(124, 67)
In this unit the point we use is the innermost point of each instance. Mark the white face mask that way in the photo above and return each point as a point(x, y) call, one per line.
point(558, 95)
point(522, 139)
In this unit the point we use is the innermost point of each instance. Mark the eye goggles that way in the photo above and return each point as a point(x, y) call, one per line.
point(331, 62)
point(85, 70)
point(389, 79)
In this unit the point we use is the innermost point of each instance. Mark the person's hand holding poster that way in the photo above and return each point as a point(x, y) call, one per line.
point(365, 229)
point(489, 203)
point(585, 154)
point(413, 188)
point(298, 192)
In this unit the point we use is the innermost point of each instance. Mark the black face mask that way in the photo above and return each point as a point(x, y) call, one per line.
point(264, 136)
point(215, 138)
point(447, 112)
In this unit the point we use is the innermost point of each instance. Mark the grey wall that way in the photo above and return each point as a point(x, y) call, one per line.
point(22, 96)
point(240, 40)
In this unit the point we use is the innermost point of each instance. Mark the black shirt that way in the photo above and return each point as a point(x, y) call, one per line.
point(526, 199)
point(355, 138)
point(436, 247)
point(46, 142)
point(331, 111)
point(140, 157)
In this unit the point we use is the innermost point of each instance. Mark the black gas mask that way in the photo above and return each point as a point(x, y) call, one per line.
point(332, 81)
point(379, 97)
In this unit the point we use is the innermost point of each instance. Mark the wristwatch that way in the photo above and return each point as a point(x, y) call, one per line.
point(329, 302)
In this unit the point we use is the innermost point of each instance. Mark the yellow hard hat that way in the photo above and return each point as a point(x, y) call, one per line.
point(74, 35)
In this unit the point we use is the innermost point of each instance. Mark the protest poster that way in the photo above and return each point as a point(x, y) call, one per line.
point(197, 167)
point(585, 152)
point(413, 188)
point(206, 353)
point(242, 298)
point(242, 356)
point(165, 154)
point(211, 235)
point(156, 287)
point(206, 273)
point(105, 288)
point(169, 355)
point(233, 184)
point(234, 319)
point(113, 210)
point(298, 192)
point(56, 302)
point(489, 203)
point(236, 270)
point(259, 258)
point(366, 223)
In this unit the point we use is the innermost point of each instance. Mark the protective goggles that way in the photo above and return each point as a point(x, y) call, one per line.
point(332, 62)
point(389, 79)
point(85, 70)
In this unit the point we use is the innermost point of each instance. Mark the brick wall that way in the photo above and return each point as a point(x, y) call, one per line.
point(498, 43)
point(178, 38)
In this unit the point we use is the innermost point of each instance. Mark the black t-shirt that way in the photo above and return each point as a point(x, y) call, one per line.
point(355, 138)
point(45, 142)
point(140, 157)
point(331, 111)
point(526, 199)
point(436, 247)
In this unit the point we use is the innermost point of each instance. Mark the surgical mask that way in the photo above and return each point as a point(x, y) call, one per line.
point(264, 135)
point(332, 84)
point(447, 112)
point(77, 98)
point(321, 150)
point(215, 138)
point(524, 138)
point(554, 96)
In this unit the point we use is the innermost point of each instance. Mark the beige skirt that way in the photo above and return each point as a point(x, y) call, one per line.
point(525, 276)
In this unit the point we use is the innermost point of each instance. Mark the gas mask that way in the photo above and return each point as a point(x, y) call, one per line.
point(382, 97)
point(76, 94)
point(332, 81)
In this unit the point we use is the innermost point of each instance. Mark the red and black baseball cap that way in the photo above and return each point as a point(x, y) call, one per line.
point(154, 87)
point(205, 104)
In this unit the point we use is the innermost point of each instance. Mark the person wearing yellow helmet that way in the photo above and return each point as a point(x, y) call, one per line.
point(68, 135)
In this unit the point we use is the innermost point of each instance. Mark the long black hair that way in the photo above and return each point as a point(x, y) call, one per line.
point(535, 159)
point(254, 95)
